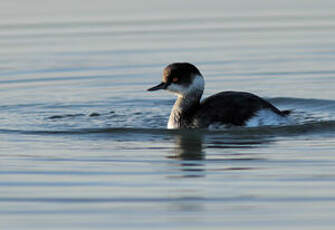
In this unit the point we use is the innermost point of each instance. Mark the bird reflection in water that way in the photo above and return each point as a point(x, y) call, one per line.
point(189, 150)
point(188, 146)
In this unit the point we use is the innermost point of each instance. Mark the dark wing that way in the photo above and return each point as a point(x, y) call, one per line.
point(231, 108)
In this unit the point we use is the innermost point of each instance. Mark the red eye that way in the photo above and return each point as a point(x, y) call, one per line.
point(175, 79)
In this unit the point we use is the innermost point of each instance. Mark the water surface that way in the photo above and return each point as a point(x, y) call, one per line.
point(84, 146)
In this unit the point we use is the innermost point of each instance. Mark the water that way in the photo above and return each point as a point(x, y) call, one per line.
point(84, 146)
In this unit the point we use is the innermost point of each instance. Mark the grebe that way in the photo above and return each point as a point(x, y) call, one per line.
point(223, 109)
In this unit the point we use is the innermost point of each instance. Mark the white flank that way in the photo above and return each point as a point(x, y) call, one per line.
point(267, 117)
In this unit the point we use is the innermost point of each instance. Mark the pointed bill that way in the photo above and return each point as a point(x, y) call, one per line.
point(162, 85)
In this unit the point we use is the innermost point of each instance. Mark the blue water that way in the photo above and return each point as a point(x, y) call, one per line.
point(83, 145)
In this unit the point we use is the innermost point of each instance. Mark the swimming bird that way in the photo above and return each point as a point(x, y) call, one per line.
point(228, 108)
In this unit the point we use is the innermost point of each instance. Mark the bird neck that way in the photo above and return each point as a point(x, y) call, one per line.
point(183, 110)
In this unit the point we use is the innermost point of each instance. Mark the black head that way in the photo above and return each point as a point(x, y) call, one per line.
point(178, 77)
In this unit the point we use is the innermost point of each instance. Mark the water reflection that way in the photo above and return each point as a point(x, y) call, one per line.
point(188, 146)
point(191, 145)
point(189, 150)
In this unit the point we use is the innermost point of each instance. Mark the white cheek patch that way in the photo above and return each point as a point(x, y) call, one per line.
point(198, 85)
point(178, 89)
